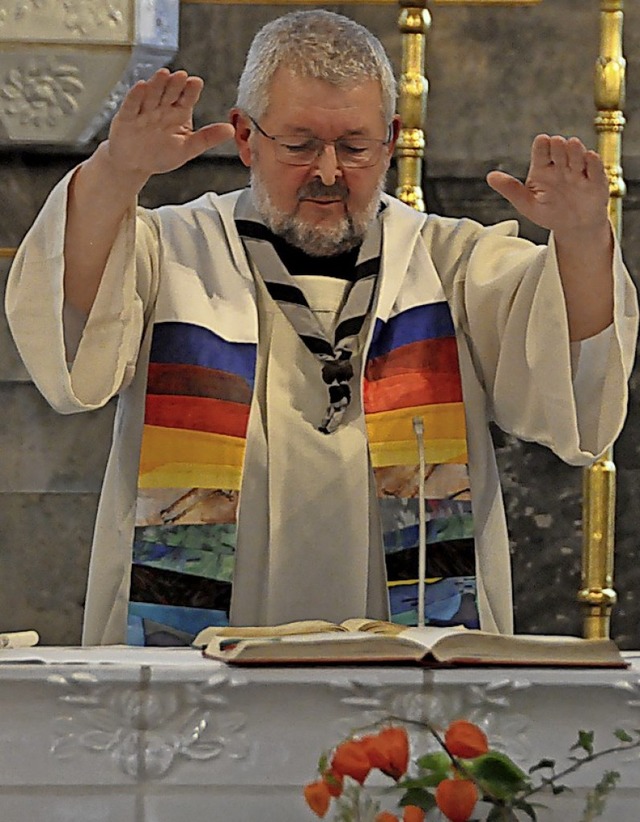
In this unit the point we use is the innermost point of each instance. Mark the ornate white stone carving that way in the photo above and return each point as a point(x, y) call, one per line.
point(66, 64)
point(40, 92)
point(489, 706)
point(143, 731)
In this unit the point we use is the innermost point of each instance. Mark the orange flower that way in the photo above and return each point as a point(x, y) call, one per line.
point(350, 759)
point(386, 816)
point(465, 739)
point(318, 797)
point(412, 813)
point(388, 751)
point(333, 781)
point(456, 798)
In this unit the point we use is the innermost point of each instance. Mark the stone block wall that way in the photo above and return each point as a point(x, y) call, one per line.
point(498, 76)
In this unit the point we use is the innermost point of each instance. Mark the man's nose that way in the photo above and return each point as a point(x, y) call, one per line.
point(327, 166)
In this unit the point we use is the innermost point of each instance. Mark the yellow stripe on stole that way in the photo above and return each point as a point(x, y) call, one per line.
point(392, 440)
point(177, 458)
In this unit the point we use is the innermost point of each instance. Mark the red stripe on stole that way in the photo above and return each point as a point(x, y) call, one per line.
point(197, 414)
point(197, 381)
point(419, 373)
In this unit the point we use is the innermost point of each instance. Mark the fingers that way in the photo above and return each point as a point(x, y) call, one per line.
point(541, 151)
point(567, 155)
point(510, 188)
point(190, 93)
point(154, 90)
point(162, 90)
point(132, 103)
point(174, 88)
point(208, 137)
point(595, 168)
point(576, 155)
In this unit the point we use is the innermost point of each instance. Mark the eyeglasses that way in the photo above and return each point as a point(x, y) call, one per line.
point(351, 152)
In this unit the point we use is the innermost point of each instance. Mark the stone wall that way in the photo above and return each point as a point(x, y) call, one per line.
point(498, 76)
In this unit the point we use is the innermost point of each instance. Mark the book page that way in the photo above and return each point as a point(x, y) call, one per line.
point(321, 648)
point(373, 626)
point(306, 626)
point(428, 636)
point(472, 646)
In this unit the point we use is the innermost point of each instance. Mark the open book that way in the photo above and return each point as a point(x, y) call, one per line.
point(372, 641)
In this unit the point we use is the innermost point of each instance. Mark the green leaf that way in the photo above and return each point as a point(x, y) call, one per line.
point(622, 735)
point(585, 741)
point(597, 798)
point(418, 782)
point(527, 808)
point(543, 764)
point(436, 761)
point(433, 779)
point(437, 766)
point(419, 797)
point(498, 775)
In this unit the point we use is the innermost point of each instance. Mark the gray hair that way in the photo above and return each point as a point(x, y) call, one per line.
point(316, 44)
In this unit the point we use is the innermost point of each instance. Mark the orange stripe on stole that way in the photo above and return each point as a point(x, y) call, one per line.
point(419, 373)
point(197, 414)
point(178, 458)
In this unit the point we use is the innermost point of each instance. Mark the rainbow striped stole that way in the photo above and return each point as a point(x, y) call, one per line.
point(196, 414)
point(199, 393)
point(412, 371)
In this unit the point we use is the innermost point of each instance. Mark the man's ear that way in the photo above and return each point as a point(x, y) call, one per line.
point(242, 127)
point(396, 125)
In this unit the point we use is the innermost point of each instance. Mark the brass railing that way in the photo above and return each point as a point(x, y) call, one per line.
point(596, 592)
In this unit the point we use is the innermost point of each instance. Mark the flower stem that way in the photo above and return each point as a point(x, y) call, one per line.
point(546, 782)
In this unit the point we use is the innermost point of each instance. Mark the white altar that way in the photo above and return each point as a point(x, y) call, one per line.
point(144, 735)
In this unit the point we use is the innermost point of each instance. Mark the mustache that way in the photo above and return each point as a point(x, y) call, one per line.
point(316, 189)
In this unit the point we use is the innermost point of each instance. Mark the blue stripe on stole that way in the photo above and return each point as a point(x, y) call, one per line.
point(423, 322)
point(188, 344)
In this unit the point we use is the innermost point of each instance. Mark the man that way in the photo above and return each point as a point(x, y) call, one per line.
point(289, 356)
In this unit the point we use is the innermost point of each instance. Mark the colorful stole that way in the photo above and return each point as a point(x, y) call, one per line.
point(412, 371)
point(199, 393)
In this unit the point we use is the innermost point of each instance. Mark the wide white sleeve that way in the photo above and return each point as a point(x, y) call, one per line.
point(79, 363)
point(508, 301)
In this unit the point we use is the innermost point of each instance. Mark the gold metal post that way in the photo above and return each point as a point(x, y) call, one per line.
point(414, 22)
point(596, 593)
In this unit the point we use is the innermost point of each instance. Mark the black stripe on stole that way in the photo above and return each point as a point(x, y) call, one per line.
point(452, 558)
point(162, 587)
point(367, 268)
point(317, 345)
point(350, 327)
point(256, 231)
point(284, 293)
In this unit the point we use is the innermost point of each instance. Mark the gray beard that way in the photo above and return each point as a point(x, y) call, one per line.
point(327, 241)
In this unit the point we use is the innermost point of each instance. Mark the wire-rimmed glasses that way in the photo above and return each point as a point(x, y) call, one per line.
point(302, 150)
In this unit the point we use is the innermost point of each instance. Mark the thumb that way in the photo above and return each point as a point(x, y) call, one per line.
point(509, 188)
point(209, 137)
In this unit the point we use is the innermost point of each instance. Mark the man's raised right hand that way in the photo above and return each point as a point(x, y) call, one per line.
point(152, 132)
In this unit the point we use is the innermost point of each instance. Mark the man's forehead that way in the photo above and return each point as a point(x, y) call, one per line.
point(304, 104)
point(290, 77)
